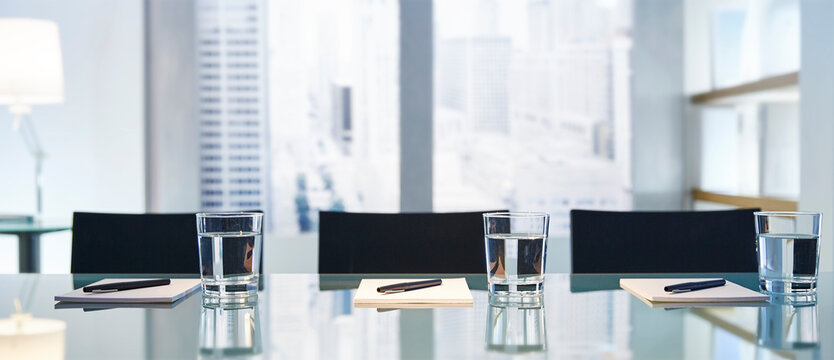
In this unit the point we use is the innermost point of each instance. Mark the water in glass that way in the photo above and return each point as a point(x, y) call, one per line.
point(229, 263)
point(515, 263)
point(788, 263)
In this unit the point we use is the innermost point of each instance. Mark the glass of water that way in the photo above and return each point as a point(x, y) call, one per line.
point(516, 245)
point(788, 245)
point(230, 252)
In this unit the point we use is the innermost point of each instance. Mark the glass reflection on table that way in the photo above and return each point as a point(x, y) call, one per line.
point(516, 327)
point(786, 324)
point(230, 330)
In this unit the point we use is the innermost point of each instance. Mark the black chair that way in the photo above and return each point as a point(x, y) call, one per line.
point(668, 242)
point(425, 243)
point(134, 243)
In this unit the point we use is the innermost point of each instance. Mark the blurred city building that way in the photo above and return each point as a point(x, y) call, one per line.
point(231, 65)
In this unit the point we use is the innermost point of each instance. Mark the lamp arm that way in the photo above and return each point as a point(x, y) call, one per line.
point(30, 137)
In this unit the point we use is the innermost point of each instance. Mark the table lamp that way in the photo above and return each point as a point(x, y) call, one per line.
point(31, 73)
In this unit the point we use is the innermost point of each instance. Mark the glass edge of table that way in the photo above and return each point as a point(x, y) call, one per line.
point(13, 229)
point(578, 282)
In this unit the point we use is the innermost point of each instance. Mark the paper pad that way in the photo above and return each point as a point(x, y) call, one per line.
point(155, 294)
point(452, 293)
point(652, 290)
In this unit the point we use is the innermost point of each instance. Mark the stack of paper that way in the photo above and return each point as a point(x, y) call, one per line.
point(155, 294)
point(651, 291)
point(451, 293)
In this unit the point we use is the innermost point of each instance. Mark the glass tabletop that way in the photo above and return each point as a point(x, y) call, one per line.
point(311, 316)
point(12, 227)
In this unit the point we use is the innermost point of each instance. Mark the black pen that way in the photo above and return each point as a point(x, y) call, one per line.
point(408, 286)
point(694, 286)
point(126, 285)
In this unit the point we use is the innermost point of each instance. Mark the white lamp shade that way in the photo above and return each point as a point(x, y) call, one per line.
point(31, 71)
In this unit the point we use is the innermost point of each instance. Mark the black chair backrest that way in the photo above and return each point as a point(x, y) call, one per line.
point(134, 243)
point(670, 242)
point(423, 243)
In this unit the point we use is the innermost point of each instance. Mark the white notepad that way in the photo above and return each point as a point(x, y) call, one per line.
point(174, 291)
point(652, 290)
point(451, 293)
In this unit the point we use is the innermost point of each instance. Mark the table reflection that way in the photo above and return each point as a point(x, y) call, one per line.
point(307, 316)
point(230, 330)
point(516, 327)
point(779, 329)
point(24, 337)
point(788, 325)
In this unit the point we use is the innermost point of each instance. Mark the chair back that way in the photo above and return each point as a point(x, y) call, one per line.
point(668, 242)
point(134, 243)
point(428, 243)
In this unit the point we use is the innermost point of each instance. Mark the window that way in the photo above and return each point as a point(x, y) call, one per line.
point(334, 109)
point(531, 106)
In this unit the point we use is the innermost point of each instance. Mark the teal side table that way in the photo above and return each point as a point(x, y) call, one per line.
point(29, 241)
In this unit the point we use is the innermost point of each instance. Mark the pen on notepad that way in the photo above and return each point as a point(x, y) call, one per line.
point(694, 286)
point(126, 285)
point(408, 286)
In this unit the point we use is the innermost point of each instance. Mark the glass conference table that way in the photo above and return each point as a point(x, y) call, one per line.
point(311, 316)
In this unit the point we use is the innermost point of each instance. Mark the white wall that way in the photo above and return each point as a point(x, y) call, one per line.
point(95, 140)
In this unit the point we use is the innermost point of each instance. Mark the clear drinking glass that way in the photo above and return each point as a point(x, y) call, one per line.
point(230, 252)
point(516, 328)
point(788, 245)
point(516, 245)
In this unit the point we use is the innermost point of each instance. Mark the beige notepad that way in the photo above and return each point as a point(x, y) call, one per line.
point(451, 293)
point(652, 290)
point(155, 294)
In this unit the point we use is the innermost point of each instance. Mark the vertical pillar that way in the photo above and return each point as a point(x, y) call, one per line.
point(416, 105)
point(172, 162)
point(416, 146)
point(816, 119)
point(657, 105)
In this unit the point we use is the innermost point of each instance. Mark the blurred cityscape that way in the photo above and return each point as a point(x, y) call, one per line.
point(531, 107)
point(334, 109)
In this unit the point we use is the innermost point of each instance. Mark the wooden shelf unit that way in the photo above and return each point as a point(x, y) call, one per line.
point(764, 203)
point(768, 84)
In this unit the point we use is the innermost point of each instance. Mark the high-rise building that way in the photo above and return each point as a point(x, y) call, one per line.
point(473, 77)
point(342, 116)
point(489, 63)
point(452, 73)
point(231, 43)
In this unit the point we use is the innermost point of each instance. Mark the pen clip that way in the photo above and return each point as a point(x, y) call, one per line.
point(678, 291)
point(97, 291)
point(393, 291)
